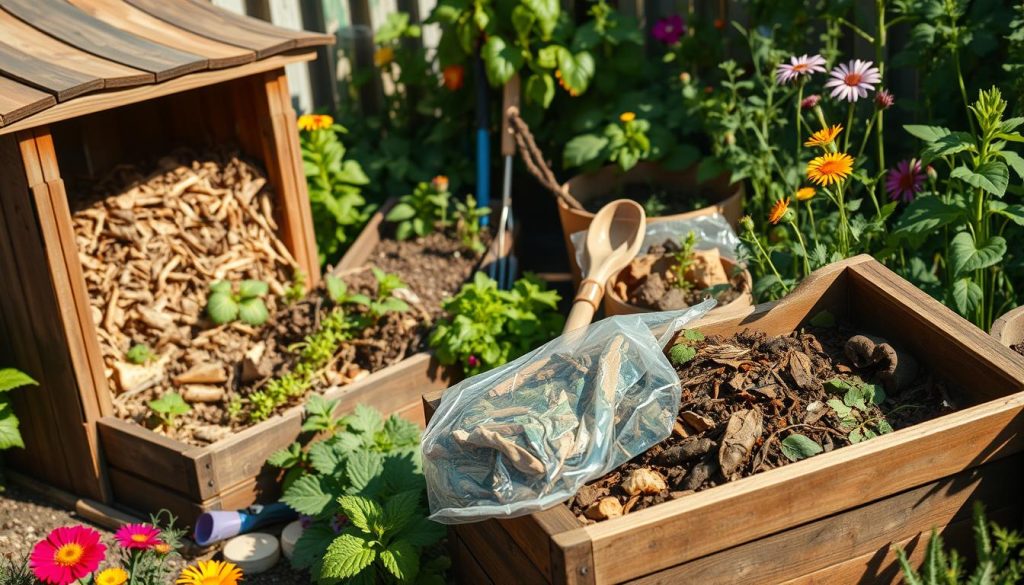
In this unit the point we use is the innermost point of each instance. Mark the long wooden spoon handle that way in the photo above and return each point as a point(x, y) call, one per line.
point(586, 303)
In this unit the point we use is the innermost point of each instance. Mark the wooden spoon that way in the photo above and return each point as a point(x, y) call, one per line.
point(613, 240)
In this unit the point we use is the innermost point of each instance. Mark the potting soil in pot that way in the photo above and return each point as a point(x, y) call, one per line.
point(751, 403)
point(668, 277)
point(657, 200)
point(152, 242)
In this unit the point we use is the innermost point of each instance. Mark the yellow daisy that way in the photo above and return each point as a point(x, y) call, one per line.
point(805, 193)
point(824, 137)
point(627, 117)
point(311, 122)
point(778, 211)
point(210, 573)
point(115, 576)
point(830, 168)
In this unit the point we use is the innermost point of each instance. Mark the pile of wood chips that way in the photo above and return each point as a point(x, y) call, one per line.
point(150, 246)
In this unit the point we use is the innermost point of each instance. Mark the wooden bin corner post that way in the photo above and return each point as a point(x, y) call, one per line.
point(264, 102)
point(47, 320)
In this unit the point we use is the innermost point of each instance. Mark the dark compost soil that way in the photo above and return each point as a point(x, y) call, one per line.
point(745, 396)
point(650, 280)
point(657, 199)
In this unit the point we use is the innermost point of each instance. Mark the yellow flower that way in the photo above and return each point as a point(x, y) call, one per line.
point(830, 168)
point(310, 122)
point(210, 573)
point(163, 548)
point(383, 56)
point(778, 210)
point(627, 117)
point(805, 193)
point(115, 576)
point(824, 137)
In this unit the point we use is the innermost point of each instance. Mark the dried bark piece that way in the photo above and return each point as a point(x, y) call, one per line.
point(589, 494)
point(132, 378)
point(741, 432)
point(801, 369)
point(700, 473)
point(210, 373)
point(518, 456)
point(644, 481)
point(706, 270)
point(897, 369)
point(202, 393)
point(604, 509)
point(689, 449)
point(698, 422)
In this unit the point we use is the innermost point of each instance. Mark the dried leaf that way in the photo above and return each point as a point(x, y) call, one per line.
point(741, 432)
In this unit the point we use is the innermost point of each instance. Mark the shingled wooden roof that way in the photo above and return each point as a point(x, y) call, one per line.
point(62, 58)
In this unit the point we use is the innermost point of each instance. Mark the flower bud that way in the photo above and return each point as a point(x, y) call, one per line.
point(685, 77)
point(810, 101)
point(439, 184)
point(933, 175)
point(884, 99)
point(747, 223)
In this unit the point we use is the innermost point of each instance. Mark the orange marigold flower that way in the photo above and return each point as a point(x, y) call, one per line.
point(805, 193)
point(439, 184)
point(453, 77)
point(778, 210)
point(824, 137)
point(311, 122)
point(627, 117)
point(383, 56)
point(830, 168)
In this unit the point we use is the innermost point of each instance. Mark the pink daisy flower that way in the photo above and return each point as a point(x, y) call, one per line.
point(884, 99)
point(138, 536)
point(669, 30)
point(905, 181)
point(852, 81)
point(797, 66)
point(810, 101)
point(67, 554)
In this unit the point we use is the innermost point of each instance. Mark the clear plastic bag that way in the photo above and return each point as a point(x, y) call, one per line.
point(528, 434)
point(712, 231)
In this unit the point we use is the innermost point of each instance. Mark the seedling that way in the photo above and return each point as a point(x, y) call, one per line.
point(684, 260)
point(423, 210)
point(684, 351)
point(467, 224)
point(297, 289)
point(854, 410)
point(338, 291)
point(168, 408)
point(224, 306)
point(385, 302)
point(140, 354)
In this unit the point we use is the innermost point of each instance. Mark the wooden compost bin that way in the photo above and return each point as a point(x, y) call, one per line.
point(86, 85)
point(827, 519)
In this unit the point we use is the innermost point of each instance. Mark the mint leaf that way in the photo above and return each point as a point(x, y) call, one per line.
point(583, 149)
point(363, 469)
point(307, 495)
point(11, 379)
point(346, 557)
point(325, 458)
point(364, 419)
point(311, 546)
point(400, 509)
point(401, 432)
point(402, 560)
point(423, 532)
point(10, 436)
point(796, 447)
point(363, 513)
point(285, 458)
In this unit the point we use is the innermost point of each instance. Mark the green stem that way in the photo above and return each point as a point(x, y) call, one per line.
point(849, 124)
point(768, 260)
point(963, 88)
point(799, 119)
point(800, 238)
point(880, 41)
point(814, 226)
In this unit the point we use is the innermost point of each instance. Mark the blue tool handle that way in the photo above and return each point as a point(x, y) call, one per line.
point(257, 516)
point(483, 140)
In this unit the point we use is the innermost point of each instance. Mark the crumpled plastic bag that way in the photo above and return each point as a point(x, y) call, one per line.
point(527, 435)
point(712, 231)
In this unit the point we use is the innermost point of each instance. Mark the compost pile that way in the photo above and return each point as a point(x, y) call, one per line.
point(650, 280)
point(751, 403)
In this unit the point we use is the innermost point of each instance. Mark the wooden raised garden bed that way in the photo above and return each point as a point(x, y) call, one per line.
point(827, 519)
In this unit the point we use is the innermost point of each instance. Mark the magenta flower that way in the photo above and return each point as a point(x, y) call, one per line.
point(67, 554)
point(797, 66)
point(905, 181)
point(810, 101)
point(473, 361)
point(669, 30)
point(138, 536)
point(884, 99)
point(852, 81)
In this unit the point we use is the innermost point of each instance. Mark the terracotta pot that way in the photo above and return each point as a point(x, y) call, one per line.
point(725, 199)
point(616, 305)
point(1009, 329)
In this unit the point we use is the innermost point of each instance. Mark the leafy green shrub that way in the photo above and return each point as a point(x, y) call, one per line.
point(487, 327)
point(224, 306)
point(1000, 559)
point(365, 493)
point(422, 211)
point(168, 408)
point(625, 142)
point(9, 434)
point(335, 194)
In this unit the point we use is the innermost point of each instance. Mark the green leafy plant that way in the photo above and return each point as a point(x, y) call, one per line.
point(625, 142)
point(16, 571)
point(140, 354)
point(422, 211)
point(487, 327)
point(10, 379)
point(297, 288)
point(855, 415)
point(168, 408)
point(364, 490)
point(335, 186)
point(684, 351)
point(224, 306)
point(467, 223)
point(796, 447)
point(385, 300)
point(1000, 557)
point(683, 259)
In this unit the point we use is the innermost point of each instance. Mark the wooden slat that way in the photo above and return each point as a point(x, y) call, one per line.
point(142, 496)
point(69, 24)
point(106, 100)
point(244, 455)
point(119, 14)
point(505, 562)
point(132, 448)
point(467, 569)
point(61, 82)
point(302, 38)
point(867, 530)
point(217, 26)
point(46, 48)
point(19, 101)
point(534, 535)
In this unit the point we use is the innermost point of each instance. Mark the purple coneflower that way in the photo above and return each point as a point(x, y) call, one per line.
point(905, 181)
point(884, 99)
point(797, 66)
point(852, 81)
point(810, 101)
point(669, 30)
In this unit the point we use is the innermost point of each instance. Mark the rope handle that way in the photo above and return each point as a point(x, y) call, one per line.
point(534, 158)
